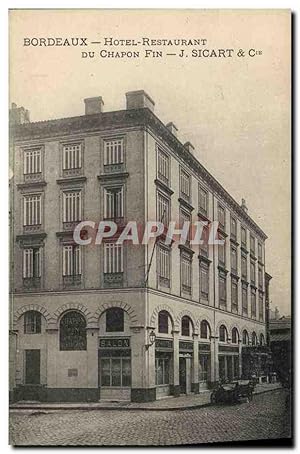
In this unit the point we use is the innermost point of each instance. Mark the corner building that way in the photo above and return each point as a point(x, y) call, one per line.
point(82, 317)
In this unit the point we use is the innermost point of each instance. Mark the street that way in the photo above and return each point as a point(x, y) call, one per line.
point(263, 418)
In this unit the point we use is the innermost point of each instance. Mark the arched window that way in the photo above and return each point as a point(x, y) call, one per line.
point(185, 326)
point(235, 336)
point(114, 320)
point(245, 337)
point(72, 331)
point(163, 322)
point(223, 334)
point(254, 338)
point(32, 322)
point(204, 330)
point(262, 339)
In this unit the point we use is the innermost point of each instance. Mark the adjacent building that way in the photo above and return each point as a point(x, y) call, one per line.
point(129, 322)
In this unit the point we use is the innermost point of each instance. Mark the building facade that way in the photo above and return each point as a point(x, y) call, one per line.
point(83, 318)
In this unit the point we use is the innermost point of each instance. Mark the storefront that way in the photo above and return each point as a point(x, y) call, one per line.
point(163, 366)
point(114, 368)
point(228, 363)
point(204, 365)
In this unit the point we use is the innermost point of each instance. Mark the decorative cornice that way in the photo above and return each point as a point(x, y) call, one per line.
point(203, 258)
point(185, 204)
point(32, 184)
point(186, 249)
point(164, 187)
point(113, 176)
point(31, 237)
point(73, 180)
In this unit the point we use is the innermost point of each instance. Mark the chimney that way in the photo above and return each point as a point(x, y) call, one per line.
point(93, 105)
point(18, 115)
point(139, 100)
point(189, 147)
point(172, 128)
point(244, 206)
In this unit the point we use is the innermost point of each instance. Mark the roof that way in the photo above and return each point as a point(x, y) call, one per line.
point(282, 337)
point(129, 118)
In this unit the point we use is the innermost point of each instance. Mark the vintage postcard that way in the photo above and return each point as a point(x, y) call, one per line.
point(150, 227)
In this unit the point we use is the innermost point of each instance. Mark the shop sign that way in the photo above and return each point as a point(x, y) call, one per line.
point(166, 344)
point(186, 346)
point(204, 347)
point(113, 342)
point(228, 348)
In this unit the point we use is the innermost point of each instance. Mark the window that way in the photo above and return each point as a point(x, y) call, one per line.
point(71, 260)
point(204, 368)
point(72, 156)
point(260, 255)
point(185, 326)
point(221, 216)
point(254, 338)
point(204, 330)
point(245, 338)
point(32, 161)
point(204, 244)
point(252, 244)
point(32, 263)
point(223, 334)
point(164, 265)
point(203, 201)
point(162, 370)
point(72, 206)
point(113, 258)
point(244, 266)
point(163, 167)
point(185, 185)
point(222, 251)
point(184, 216)
point(262, 339)
point(233, 228)
point(222, 289)
point(260, 276)
point(253, 303)
point(233, 254)
point(252, 272)
point(163, 209)
point(115, 372)
point(244, 299)
point(32, 322)
point(113, 152)
point(114, 203)
point(163, 322)
point(32, 210)
point(72, 332)
point(235, 336)
point(261, 306)
point(114, 320)
point(204, 280)
point(186, 274)
point(243, 237)
point(234, 295)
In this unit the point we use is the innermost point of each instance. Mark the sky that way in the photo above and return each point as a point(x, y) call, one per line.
point(235, 111)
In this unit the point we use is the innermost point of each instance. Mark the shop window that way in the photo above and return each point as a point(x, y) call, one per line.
point(185, 326)
point(223, 334)
point(72, 332)
point(32, 322)
point(204, 330)
point(234, 336)
point(203, 367)
point(163, 322)
point(114, 320)
point(162, 370)
point(115, 372)
point(245, 338)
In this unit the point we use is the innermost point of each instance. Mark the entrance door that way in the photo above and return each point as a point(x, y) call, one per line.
point(32, 367)
point(182, 375)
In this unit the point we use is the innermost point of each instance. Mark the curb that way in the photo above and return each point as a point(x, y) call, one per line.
point(188, 407)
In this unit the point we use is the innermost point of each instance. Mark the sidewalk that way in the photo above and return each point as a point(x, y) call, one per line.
point(169, 403)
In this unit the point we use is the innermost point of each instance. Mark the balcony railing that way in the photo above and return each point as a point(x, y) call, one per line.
point(32, 228)
point(72, 281)
point(72, 172)
point(33, 177)
point(113, 279)
point(31, 283)
point(114, 168)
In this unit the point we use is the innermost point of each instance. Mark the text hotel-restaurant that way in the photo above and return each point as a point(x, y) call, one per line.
point(129, 322)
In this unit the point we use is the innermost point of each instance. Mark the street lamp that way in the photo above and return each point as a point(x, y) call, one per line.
point(152, 339)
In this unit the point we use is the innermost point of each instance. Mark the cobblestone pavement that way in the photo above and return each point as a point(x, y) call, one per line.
point(265, 417)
